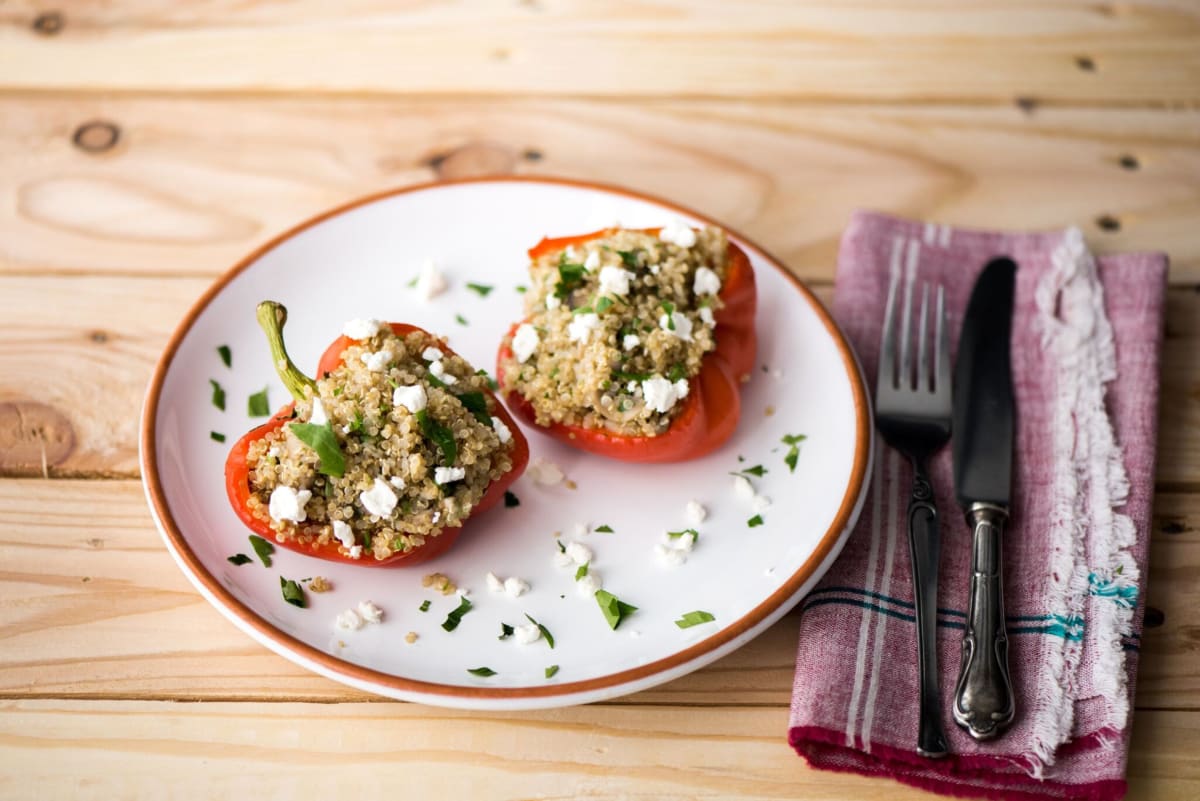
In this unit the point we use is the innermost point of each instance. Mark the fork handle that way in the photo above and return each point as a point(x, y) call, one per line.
point(983, 698)
point(924, 548)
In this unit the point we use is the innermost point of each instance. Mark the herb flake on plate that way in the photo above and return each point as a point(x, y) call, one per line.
point(483, 290)
point(581, 571)
point(263, 548)
point(506, 631)
point(458, 318)
point(218, 395)
point(293, 593)
point(689, 619)
point(424, 607)
point(455, 617)
point(545, 631)
point(550, 671)
point(615, 610)
point(511, 500)
point(758, 471)
point(257, 404)
point(226, 355)
point(793, 454)
point(322, 440)
point(687, 532)
point(239, 559)
point(605, 529)
point(484, 671)
point(755, 521)
point(216, 436)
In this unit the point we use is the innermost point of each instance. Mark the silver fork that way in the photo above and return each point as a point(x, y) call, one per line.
point(913, 412)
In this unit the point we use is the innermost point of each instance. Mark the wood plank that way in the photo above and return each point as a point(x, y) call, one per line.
point(75, 749)
point(193, 183)
point(1138, 52)
point(80, 418)
point(91, 606)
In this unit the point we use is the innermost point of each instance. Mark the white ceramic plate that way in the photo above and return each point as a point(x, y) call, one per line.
point(356, 261)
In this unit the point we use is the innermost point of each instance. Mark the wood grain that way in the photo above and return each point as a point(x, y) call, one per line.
point(80, 419)
point(91, 606)
point(1138, 52)
point(192, 184)
point(67, 750)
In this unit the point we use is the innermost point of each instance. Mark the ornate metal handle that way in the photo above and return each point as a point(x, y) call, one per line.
point(923, 545)
point(983, 697)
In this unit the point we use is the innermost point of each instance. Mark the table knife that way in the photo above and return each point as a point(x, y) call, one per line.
point(984, 424)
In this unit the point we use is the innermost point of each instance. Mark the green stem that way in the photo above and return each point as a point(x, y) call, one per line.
point(272, 316)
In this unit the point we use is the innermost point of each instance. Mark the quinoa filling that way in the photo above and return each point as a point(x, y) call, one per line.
point(615, 328)
point(420, 446)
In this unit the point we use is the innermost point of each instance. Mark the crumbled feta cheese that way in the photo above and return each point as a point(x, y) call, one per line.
point(273, 452)
point(706, 282)
point(761, 503)
point(553, 302)
point(377, 361)
point(494, 582)
point(671, 557)
point(436, 517)
point(677, 232)
point(379, 500)
point(369, 612)
point(696, 513)
point(743, 488)
point(318, 416)
point(356, 552)
point(588, 585)
point(572, 253)
point(344, 534)
point(615, 280)
point(438, 371)
point(580, 530)
point(527, 633)
point(288, 504)
point(412, 398)
point(582, 325)
point(515, 587)
point(678, 325)
point(632, 386)
point(561, 559)
point(579, 553)
point(545, 472)
point(396, 482)
point(631, 341)
point(432, 354)
point(706, 316)
point(349, 620)
point(525, 342)
point(502, 430)
point(447, 475)
point(430, 281)
point(661, 394)
point(361, 329)
point(592, 261)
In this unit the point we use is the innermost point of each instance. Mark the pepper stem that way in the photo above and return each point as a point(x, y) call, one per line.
point(272, 316)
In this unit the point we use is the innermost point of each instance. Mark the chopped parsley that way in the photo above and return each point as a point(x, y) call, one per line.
point(439, 435)
point(793, 454)
point(257, 404)
point(545, 631)
point(511, 500)
point(413, 283)
point(263, 548)
point(615, 610)
point(240, 559)
point(677, 372)
point(669, 308)
point(570, 276)
point(216, 436)
point(758, 471)
point(561, 548)
point(695, 535)
point(218, 395)
point(603, 304)
point(293, 593)
point(521, 289)
point(581, 571)
point(629, 258)
point(481, 671)
point(506, 631)
point(605, 529)
point(226, 355)
point(695, 618)
point(455, 617)
point(458, 318)
point(476, 404)
point(322, 440)
point(492, 383)
point(483, 290)
point(550, 671)
point(424, 607)
point(755, 521)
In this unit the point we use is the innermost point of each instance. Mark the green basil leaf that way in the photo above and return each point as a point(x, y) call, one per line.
point(482, 671)
point(545, 631)
point(218, 395)
point(455, 617)
point(293, 593)
point(476, 404)
point(240, 559)
point(483, 290)
point(322, 440)
point(257, 404)
point(615, 610)
point(695, 618)
point(226, 355)
point(263, 548)
point(439, 435)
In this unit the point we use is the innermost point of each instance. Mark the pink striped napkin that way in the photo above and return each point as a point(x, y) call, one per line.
point(1086, 341)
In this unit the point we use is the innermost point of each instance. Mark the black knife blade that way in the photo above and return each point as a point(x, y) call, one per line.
point(984, 423)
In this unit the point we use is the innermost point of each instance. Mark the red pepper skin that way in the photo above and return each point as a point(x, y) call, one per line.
point(710, 411)
point(237, 478)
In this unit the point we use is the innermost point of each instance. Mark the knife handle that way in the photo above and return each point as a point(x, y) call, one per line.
point(983, 697)
point(923, 545)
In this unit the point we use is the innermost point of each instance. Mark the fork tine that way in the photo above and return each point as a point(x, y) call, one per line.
point(941, 382)
point(887, 344)
point(906, 379)
point(924, 379)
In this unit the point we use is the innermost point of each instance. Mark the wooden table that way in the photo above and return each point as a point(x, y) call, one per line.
point(145, 146)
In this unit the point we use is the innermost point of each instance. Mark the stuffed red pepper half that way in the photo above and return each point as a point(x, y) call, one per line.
point(635, 342)
point(381, 459)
